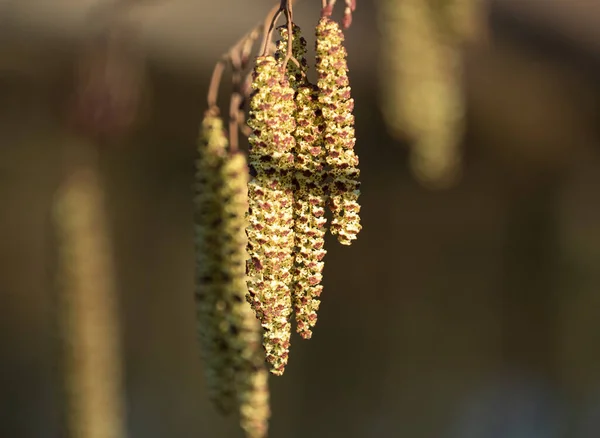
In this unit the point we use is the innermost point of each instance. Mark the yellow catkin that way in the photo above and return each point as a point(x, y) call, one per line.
point(337, 106)
point(270, 216)
point(87, 308)
point(309, 195)
point(230, 334)
point(422, 95)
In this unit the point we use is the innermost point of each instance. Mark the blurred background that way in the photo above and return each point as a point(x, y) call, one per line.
point(470, 312)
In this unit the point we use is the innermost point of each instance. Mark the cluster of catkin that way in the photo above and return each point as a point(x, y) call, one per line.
point(230, 335)
point(301, 159)
point(260, 228)
point(422, 95)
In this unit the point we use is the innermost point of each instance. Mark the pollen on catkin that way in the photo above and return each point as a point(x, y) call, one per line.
point(230, 335)
point(270, 216)
point(309, 195)
point(339, 135)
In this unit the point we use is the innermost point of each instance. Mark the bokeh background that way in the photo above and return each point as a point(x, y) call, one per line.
point(472, 312)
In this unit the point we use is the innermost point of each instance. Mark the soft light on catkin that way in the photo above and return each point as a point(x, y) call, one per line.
point(229, 333)
point(337, 105)
point(271, 221)
point(309, 195)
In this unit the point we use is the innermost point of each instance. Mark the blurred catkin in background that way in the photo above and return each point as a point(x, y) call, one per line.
point(87, 304)
point(422, 90)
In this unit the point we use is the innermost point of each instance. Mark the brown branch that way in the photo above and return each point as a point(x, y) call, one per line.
point(289, 18)
point(238, 56)
point(267, 35)
point(242, 47)
point(215, 81)
point(285, 7)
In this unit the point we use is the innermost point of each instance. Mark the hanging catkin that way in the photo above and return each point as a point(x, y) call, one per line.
point(270, 216)
point(422, 94)
point(230, 334)
point(309, 195)
point(87, 308)
point(337, 106)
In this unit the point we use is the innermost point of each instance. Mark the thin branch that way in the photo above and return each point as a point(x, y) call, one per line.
point(238, 57)
point(267, 35)
point(215, 81)
point(289, 17)
point(243, 47)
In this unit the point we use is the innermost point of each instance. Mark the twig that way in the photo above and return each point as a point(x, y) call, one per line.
point(285, 7)
point(215, 81)
point(267, 35)
point(243, 45)
point(289, 17)
point(238, 56)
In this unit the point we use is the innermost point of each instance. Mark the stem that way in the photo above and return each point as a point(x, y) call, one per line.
point(289, 17)
point(215, 81)
point(267, 35)
point(238, 56)
point(242, 48)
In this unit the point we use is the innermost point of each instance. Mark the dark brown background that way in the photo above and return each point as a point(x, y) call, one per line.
point(488, 291)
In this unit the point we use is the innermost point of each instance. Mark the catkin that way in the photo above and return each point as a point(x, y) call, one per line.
point(339, 135)
point(422, 95)
point(87, 307)
point(230, 335)
point(309, 196)
point(270, 216)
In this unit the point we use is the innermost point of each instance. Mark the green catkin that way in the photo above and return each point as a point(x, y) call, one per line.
point(337, 105)
point(210, 269)
point(309, 196)
point(87, 307)
point(251, 374)
point(423, 96)
point(270, 216)
point(230, 335)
